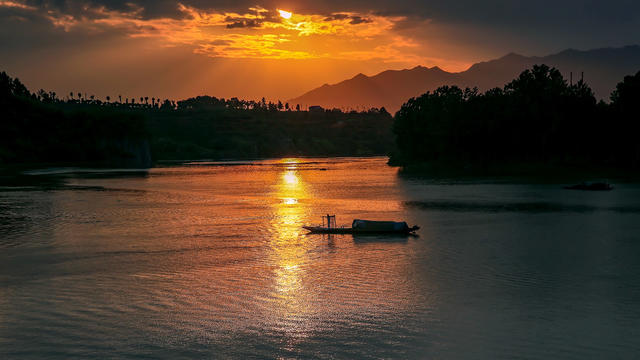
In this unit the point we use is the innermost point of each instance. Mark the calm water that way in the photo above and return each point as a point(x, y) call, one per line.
point(209, 260)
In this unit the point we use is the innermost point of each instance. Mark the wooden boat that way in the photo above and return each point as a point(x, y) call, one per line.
point(361, 227)
point(591, 186)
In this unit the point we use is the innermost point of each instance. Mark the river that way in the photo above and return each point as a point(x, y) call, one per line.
point(208, 259)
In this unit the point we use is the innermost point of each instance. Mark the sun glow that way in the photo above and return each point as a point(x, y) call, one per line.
point(290, 178)
point(285, 14)
point(290, 201)
point(256, 33)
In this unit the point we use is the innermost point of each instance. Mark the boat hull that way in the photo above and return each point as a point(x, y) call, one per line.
point(324, 230)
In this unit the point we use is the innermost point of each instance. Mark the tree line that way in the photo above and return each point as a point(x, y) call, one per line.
point(197, 103)
point(36, 128)
point(537, 118)
point(42, 127)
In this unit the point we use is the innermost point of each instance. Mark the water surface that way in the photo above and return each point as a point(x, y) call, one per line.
point(209, 260)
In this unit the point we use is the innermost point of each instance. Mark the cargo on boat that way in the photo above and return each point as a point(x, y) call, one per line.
point(359, 226)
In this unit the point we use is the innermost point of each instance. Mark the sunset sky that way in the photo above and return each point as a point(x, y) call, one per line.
point(279, 49)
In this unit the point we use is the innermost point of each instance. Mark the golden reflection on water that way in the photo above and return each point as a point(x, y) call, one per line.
point(290, 178)
point(290, 201)
point(289, 251)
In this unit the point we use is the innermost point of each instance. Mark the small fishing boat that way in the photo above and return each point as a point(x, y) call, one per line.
point(362, 227)
point(592, 186)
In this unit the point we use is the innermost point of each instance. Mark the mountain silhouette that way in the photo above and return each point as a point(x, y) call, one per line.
point(602, 68)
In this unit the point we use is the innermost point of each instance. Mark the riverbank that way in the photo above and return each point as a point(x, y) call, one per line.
point(532, 171)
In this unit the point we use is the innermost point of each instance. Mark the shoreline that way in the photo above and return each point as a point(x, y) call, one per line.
point(532, 170)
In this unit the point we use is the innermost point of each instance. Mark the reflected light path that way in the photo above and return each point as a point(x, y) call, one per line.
point(289, 251)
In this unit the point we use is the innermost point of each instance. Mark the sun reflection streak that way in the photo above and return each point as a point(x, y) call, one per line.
point(290, 178)
point(289, 253)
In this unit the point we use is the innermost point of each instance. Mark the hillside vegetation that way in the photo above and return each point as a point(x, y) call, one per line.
point(537, 118)
point(42, 127)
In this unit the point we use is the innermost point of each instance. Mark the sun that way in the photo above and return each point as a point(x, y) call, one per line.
point(285, 14)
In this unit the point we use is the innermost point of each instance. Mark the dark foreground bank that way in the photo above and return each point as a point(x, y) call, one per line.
point(42, 127)
point(537, 122)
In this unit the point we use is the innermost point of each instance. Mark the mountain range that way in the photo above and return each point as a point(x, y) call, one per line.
point(602, 70)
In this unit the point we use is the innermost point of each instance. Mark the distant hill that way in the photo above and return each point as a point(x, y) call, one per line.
point(603, 69)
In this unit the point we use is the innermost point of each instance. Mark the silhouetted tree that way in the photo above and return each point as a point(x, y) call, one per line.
point(625, 96)
point(40, 128)
point(166, 105)
point(625, 109)
point(537, 117)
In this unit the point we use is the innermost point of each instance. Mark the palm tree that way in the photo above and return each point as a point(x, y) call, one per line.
point(108, 98)
point(120, 99)
point(146, 100)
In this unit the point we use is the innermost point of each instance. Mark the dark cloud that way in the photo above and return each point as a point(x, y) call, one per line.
point(256, 21)
point(337, 16)
point(85, 8)
point(149, 8)
point(235, 23)
point(500, 12)
point(354, 19)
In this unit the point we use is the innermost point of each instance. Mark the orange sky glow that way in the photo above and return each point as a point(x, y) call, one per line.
point(262, 33)
point(306, 49)
point(278, 50)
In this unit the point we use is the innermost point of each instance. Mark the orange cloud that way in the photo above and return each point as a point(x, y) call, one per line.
point(257, 33)
point(15, 4)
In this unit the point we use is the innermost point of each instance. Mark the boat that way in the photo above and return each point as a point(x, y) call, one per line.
point(361, 227)
point(591, 186)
